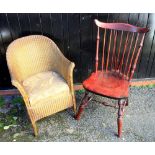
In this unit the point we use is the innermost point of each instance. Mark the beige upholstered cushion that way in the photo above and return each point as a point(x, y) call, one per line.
point(44, 85)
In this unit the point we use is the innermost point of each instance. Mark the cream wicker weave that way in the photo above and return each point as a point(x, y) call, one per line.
point(43, 76)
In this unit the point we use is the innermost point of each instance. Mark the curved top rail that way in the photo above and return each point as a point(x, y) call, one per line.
point(121, 26)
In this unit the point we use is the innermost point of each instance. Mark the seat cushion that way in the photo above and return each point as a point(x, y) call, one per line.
point(108, 84)
point(44, 85)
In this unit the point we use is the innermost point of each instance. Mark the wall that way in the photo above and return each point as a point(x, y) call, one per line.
point(75, 34)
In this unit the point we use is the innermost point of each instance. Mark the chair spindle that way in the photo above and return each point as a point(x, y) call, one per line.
point(97, 48)
point(114, 49)
point(119, 50)
point(125, 46)
point(108, 50)
point(103, 50)
point(127, 59)
point(136, 59)
point(133, 53)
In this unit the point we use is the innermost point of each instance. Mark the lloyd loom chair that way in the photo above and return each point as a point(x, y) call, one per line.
point(43, 76)
point(121, 48)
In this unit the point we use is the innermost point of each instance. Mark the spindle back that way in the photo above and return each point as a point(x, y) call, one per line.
point(120, 45)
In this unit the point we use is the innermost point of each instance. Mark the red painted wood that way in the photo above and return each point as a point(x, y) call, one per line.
point(121, 26)
point(119, 124)
point(113, 82)
point(119, 50)
point(125, 46)
point(108, 51)
point(121, 105)
point(127, 59)
point(9, 92)
point(114, 50)
point(97, 48)
point(131, 61)
point(136, 59)
point(85, 101)
point(107, 84)
point(103, 49)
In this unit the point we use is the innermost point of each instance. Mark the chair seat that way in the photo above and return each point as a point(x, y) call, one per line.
point(108, 84)
point(44, 85)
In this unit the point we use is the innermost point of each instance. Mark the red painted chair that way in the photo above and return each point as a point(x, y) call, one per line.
point(120, 47)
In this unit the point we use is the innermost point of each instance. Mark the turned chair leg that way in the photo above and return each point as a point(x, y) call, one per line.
point(84, 103)
point(121, 105)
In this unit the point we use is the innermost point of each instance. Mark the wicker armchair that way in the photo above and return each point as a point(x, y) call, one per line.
point(43, 76)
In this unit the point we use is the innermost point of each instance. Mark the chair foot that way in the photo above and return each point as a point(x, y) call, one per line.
point(84, 103)
point(121, 105)
point(35, 129)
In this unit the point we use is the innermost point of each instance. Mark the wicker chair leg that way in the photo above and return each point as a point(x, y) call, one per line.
point(74, 108)
point(35, 128)
point(74, 105)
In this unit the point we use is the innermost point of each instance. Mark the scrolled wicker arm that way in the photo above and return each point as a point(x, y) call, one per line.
point(21, 89)
point(65, 69)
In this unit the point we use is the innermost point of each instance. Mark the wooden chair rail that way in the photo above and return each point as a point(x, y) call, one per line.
point(121, 26)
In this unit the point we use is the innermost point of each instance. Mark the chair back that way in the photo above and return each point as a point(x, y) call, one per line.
point(29, 55)
point(120, 45)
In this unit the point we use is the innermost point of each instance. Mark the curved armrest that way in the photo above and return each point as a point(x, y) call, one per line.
point(21, 89)
point(69, 75)
point(64, 67)
point(66, 70)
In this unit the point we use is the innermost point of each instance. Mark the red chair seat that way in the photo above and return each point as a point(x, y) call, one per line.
point(109, 84)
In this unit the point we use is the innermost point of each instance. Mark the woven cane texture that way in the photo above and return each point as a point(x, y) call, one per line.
point(35, 54)
point(50, 106)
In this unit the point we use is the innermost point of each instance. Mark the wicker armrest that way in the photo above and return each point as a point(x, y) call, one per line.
point(66, 70)
point(21, 89)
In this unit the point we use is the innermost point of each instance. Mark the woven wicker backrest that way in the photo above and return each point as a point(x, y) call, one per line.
point(29, 55)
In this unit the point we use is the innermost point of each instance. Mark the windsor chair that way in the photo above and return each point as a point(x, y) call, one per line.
point(121, 46)
point(43, 76)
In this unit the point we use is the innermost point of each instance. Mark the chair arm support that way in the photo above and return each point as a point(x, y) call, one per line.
point(21, 89)
point(67, 73)
point(69, 76)
point(66, 70)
